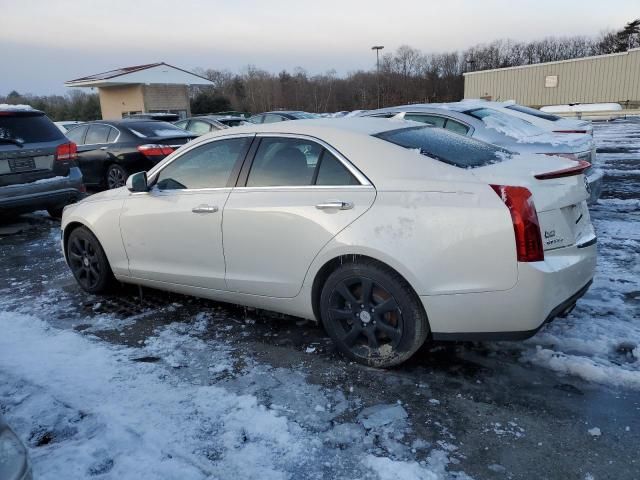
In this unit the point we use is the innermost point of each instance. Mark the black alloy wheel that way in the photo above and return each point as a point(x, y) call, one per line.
point(372, 314)
point(116, 176)
point(88, 261)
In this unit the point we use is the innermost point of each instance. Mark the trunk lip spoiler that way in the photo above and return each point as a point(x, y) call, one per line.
point(565, 172)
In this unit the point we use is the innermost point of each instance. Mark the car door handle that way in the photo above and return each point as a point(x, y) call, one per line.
point(103, 148)
point(204, 209)
point(336, 205)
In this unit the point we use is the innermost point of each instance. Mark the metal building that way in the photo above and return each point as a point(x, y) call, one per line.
point(604, 78)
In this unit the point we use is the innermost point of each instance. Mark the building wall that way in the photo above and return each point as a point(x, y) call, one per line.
point(606, 78)
point(166, 97)
point(114, 101)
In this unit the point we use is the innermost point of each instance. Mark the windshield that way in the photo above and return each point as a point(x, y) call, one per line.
point(447, 147)
point(28, 129)
point(157, 129)
point(504, 123)
point(534, 112)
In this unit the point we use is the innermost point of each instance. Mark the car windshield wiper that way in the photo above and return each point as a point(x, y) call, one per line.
point(15, 141)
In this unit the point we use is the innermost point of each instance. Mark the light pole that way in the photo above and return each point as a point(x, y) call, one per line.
point(377, 48)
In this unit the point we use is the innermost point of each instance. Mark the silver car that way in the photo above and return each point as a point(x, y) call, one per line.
point(503, 130)
point(14, 461)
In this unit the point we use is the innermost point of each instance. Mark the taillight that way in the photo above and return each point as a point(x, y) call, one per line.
point(152, 150)
point(565, 172)
point(66, 152)
point(525, 222)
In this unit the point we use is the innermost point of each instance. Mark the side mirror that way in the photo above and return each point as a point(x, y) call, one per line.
point(138, 182)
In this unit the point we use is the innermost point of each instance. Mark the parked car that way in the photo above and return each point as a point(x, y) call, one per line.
point(200, 125)
point(67, 124)
point(38, 168)
point(162, 116)
point(14, 459)
point(546, 121)
point(281, 116)
point(502, 129)
point(388, 232)
point(108, 151)
point(231, 121)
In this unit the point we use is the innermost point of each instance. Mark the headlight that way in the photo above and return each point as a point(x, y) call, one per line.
point(13, 457)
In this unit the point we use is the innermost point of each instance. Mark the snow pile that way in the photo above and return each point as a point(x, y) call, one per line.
point(19, 107)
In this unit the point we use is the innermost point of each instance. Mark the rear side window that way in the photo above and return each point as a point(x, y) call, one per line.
point(29, 128)
point(456, 127)
point(208, 166)
point(113, 134)
point(430, 119)
point(332, 172)
point(199, 127)
point(271, 118)
point(284, 162)
point(451, 148)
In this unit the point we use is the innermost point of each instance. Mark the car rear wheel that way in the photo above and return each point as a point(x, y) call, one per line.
point(372, 314)
point(88, 261)
point(116, 176)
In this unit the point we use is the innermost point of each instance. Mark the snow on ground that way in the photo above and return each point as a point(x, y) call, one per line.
point(600, 340)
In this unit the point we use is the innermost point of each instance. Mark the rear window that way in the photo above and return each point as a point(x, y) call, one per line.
point(450, 148)
point(534, 112)
point(29, 128)
point(157, 129)
point(303, 115)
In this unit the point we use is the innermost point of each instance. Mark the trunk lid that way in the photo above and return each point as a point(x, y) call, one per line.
point(560, 202)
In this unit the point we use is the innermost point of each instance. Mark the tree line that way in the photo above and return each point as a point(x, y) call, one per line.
point(407, 75)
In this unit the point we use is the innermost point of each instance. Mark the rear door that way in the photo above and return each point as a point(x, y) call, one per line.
point(295, 196)
point(92, 153)
point(173, 233)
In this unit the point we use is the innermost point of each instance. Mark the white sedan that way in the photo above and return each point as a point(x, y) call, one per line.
point(388, 232)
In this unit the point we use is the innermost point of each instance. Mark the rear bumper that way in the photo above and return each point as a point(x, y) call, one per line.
point(544, 291)
point(32, 196)
point(594, 178)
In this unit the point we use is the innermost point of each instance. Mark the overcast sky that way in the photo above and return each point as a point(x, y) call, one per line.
point(45, 42)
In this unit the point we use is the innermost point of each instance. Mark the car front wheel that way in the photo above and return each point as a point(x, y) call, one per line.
point(88, 261)
point(372, 314)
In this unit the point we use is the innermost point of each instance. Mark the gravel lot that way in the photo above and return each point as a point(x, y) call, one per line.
point(167, 386)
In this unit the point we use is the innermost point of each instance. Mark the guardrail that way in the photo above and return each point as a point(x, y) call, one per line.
point(605, 115)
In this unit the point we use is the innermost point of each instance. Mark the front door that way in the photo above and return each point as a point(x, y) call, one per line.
point(297, 196)
point(173, 233)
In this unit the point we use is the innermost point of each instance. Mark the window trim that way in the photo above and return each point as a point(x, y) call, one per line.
point(470, 127)
point(104, 143)
point(241, 184)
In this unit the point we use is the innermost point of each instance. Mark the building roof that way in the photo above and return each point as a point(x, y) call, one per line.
point(533, 65)
point(151, 73)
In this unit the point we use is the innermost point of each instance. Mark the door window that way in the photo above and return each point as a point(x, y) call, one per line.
point(456, 127)
point(199, 127)
point(430, 119)
point(97, 133)
point(332, 172)
point(208, 166)
point(76, 135)
point(284, 162)
point(182, 124)
point(113, 134)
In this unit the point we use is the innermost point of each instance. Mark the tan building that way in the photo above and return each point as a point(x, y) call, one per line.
point(600, 79)
point(152, 88)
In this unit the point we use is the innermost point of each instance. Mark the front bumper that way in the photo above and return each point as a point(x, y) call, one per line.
point(42, 194)
point(544, 290)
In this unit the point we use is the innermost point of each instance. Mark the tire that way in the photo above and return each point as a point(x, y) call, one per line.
point(88, 262)
point(380, 329)
point(55, 212)
point(115, 176)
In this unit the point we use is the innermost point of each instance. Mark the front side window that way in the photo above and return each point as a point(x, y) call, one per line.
point(76, 135)
point(199, 127)
point(97, 133)
point(208, 166)
point(451, 148)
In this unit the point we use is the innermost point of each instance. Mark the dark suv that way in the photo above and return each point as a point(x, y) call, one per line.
point(38, 167)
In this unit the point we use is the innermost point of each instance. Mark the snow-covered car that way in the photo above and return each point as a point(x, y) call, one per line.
point(14, 460)
point(388, 232)
point(502, 129)
point(38, 164)
point(546, 121)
